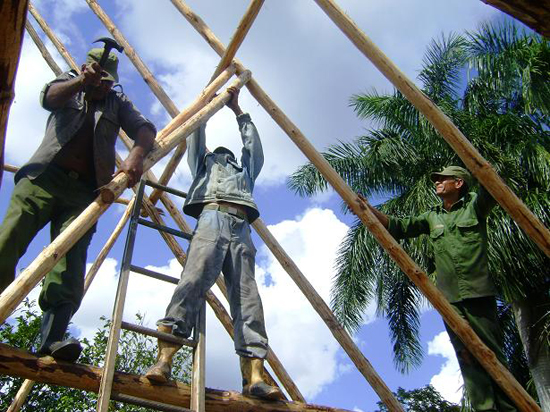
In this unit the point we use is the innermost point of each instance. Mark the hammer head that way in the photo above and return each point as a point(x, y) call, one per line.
point(110, 44)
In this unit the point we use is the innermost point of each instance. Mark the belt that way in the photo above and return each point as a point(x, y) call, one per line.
point(227, 209)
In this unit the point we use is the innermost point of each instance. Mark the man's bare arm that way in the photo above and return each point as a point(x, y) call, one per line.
point(59, 93)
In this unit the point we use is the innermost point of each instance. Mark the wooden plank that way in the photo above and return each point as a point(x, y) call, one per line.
point(12, 22)
point(473, 160)
point(16, 362)
point(238, 37)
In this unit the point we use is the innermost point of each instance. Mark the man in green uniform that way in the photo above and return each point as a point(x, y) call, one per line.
point(458, 233)
point(76, 156)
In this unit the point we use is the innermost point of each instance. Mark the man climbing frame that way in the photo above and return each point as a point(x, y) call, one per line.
point(76, 156)
point(220, 198)
point(458, 233)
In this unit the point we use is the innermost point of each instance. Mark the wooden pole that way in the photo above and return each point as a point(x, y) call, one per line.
point(42, 48)
point(108, 246)
point(21, 395)
point(147, 75)
point(479, 167)
point(240, 33)
point(535, 14)
point(10, 168)
point(204, 97)
point(58, 45)
point(21, 286)
point(12, 22)
point(501, 375)
point(20, 363)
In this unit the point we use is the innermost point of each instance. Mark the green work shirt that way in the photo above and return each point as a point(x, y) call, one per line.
point(459, 240)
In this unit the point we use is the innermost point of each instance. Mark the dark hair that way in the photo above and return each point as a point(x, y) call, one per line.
point(464, 189)
point(224, 150)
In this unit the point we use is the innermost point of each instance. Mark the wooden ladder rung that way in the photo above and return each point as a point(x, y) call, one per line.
point(156, 334)
point(147, 404)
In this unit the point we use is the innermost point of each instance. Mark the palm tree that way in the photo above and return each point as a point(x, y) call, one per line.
point(494, 84)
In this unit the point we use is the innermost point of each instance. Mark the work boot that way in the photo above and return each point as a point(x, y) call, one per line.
point(54, 325)
point(253, 380)
point(160, 372)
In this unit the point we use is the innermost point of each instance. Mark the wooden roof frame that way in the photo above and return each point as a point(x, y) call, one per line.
point(202, 109)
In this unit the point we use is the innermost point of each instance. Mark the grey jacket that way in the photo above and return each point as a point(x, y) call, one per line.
point(217, 177)
point(112, 113)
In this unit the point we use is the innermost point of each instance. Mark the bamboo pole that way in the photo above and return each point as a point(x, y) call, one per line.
point(479, 167)
point(18, 289)
point(21, 396)
point(12, 23)
point(42, 48)
point(501, 375)
point(58, 45)
point(20, 363)
point(240, 33)
point(202, 99)
point(147, 75)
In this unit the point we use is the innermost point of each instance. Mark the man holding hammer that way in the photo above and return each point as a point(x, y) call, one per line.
point(75, 158)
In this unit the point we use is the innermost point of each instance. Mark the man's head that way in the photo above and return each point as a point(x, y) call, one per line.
point(109, 74)
point(224, 150)
point(452, 181)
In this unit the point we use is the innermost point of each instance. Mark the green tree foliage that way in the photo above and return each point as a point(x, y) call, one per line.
point(135, 354)
point(426, 399)
point(494, 85)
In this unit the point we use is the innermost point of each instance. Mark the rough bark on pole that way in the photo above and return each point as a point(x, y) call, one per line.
point(21, 396)
point(12, 23)
point(473, 160)
point(20, 363)
point(147, 75)
point(29, 278)
point(42, 48)
point(240, 33)
point(533, 13)
point(58, 45)
point(200, 101)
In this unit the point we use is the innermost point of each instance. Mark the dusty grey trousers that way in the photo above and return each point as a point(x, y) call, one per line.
point(221, 243)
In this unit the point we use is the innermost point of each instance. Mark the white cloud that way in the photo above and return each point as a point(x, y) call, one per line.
point(449, 380)
point(356, 409)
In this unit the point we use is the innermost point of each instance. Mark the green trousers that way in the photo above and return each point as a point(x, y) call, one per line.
point(484, 393)
point(51, 197)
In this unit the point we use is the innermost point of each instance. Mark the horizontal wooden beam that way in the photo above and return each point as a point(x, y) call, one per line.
point(15, 362)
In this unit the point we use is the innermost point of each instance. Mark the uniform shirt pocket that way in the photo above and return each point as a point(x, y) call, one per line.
point(469, 230)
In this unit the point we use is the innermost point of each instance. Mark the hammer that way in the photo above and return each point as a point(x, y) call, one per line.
point(108, 45)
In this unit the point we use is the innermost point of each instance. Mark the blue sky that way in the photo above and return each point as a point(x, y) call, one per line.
point(310, 70)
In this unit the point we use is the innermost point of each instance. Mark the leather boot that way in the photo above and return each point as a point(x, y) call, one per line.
point(54, 325)
point(160, 372)
point(253, 380)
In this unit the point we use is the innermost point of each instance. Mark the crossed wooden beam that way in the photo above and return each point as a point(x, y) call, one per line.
point(479, 167)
